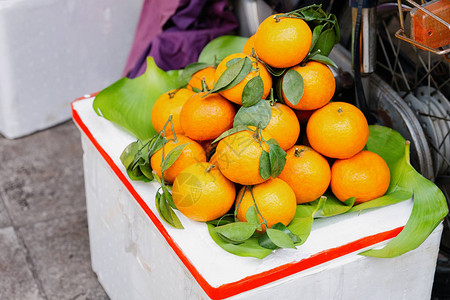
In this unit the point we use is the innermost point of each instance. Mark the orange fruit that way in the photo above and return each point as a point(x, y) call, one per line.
point(170, 103)
point(307, 173)
point(234, 94)
point(282, 42)
point(202, 193)
point(275, 200)
point(365, 176)
point(206, 117)
point(196, 79)
point(283, 125)
point(249, 45)
point(237, 157)
point(191, 154)
point(319, 86)
point(337, 130)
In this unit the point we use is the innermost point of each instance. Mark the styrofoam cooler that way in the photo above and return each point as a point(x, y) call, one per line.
point(55, 50)
point(138, 256)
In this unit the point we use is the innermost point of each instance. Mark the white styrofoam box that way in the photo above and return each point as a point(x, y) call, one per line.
point(138, 256)
point(52, 51)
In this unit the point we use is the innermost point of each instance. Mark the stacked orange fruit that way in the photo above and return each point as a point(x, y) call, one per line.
point(254, 143)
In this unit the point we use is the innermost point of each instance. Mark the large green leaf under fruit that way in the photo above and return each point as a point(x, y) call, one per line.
point(129, 102)
point(429, 207)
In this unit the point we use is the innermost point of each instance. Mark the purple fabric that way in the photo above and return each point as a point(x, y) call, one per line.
point(154, 15)
point(194, 24)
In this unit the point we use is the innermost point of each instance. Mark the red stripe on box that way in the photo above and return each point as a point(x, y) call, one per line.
point(250, 282)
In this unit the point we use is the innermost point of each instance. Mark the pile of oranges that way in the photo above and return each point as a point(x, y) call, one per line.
point(268, 165)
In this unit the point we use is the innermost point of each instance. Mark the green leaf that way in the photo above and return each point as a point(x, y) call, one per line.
point(168, 197)
point(246, 68)
point(280, 226)
point(273, 71)
point(249, 248)
point(232, 61)
point(337, 30)
point(137, 175)
point(252, 216)
point(315, 36)
point(292, 86)
point(171, 157)
point(230, 132)
point(129, 102)
point(236, 232)
point(127, 156)
point(325, 42)
point(219, 48)
point(313, 15)
point(430, 206)
point(388, 199)
point(146, 170)
point(277, 159)
point(266, 242)
point(280, 238)
point(323, 59)
point(191, 69)
point(333, 206)
point(166, 212)
point(256, 115)
point(253, 92)
point(304, 217)
point(265, 169)
point(228, 75)
point(226, 219)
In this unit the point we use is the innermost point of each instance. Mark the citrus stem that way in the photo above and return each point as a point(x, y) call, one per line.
point(340, 110)
point(277, 19)
point(257, 209)
point(271, 98)
point(171, 94)
point(204, 85)
point(210, 168)
point(298, 152)
point(239, 203)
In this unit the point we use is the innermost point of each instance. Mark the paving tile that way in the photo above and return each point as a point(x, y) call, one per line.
point(5, 221)
point(59, 250)
point(41, 175)
point(16, 278)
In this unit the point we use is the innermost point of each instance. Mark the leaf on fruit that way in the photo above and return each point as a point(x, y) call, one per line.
point(315, 36)
point(256, 115)
point(253, 92)
point(228, 75)
point(252, 216)
point(171, 157)
point(325, 42)
point(265, 169)
point(292, 86)
point(191, 69)
point(277, 158)
point(230, 132)
point(323, 59)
